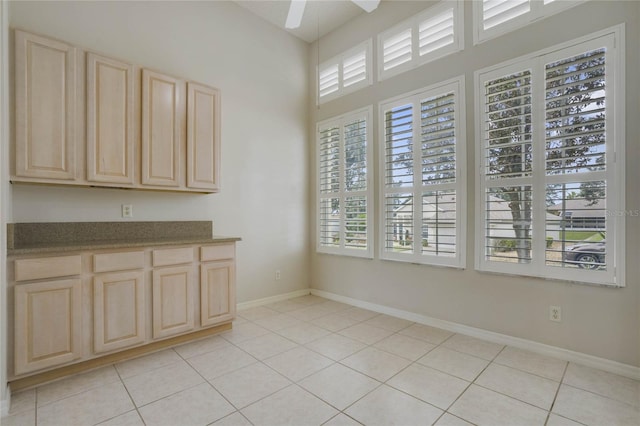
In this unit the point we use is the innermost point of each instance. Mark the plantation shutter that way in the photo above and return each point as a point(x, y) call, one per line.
point(436, 32)
point(551, 126)
point(329, 81)
point(496, 12)
point(354, 68)
point(396, 49)
point(575, 119)
point(329, 186)
point(344, 193)
point(422, 215)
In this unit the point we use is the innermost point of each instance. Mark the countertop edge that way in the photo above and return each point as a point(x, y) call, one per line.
point(89, 246)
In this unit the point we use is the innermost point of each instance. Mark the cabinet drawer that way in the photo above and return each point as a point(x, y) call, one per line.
point(47, 267)
point(218, 252)
point(108, 262)
point(175, 256)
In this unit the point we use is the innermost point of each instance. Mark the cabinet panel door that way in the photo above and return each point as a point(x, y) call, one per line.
point(111, 135)
point(173, 310)
point(162, 128)
point(45, 78)
point(203, 137)
point(48, 318)
point(118, 310)
point(217, 292)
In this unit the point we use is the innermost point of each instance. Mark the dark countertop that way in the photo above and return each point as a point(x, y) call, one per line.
point(64, 237)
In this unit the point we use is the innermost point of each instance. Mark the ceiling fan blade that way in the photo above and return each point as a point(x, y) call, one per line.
point(368, 5)
point(295, 14)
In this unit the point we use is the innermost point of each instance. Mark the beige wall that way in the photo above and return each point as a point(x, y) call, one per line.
point(603, 322)
point(262, 74)
point(5, 189)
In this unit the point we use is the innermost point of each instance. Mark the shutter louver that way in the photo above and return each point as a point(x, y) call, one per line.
point(496, 12)
point(396, 49)
point(329, 81)
point(435, 33)
point(575, 114)
point(329, 167)
point(354, 69)
point(508, 126)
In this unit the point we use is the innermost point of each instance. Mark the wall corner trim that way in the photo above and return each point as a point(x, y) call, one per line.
point(610, 366)
point(5, 404)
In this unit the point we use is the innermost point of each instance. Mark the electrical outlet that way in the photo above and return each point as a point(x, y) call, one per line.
point(555, 313)
point(127, 210)
point(277, 274)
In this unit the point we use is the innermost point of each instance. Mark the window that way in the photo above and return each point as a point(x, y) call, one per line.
point(344, 158)
point(345, 73)
point(423, 179)
point(432, 34)
point(492, 18)
point(551, 163)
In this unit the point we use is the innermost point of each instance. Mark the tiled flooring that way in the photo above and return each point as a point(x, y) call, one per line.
point(310, 361)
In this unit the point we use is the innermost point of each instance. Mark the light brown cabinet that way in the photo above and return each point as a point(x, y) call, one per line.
point(90, 120)
point(173, 304)
point(203, 136)
point(46, 99)
point(217, 292)
point(78, 307)
point(163, 113)
point(112, 132)
point(47, 329)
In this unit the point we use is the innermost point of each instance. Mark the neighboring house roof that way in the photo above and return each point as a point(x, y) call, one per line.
point(580, 208)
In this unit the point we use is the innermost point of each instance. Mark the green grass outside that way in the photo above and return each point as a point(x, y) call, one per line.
point(583, 236)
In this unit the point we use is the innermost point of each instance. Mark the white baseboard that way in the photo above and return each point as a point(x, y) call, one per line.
point(272, 299)
point(5, 403)
point(503, 339)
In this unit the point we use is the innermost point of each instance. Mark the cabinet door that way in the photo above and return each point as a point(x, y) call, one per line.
point(173, 310)
point(45, 78)
point(48, 318)
point(162, 128)
point(111, 135)
point(217, 292)
point(203, 137)
point(118, 310)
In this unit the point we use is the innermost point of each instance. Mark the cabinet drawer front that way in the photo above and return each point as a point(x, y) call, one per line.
point(118, 261)
point(218, 252)
point(175, 256)
point(47, 267)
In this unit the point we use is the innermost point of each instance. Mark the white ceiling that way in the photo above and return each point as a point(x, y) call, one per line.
point(320, 16)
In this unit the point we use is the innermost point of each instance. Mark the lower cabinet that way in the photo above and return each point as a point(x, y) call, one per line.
point(118, 310)
point(173, 308)
point(74, 308)
point(217, 292)
point(48, 324)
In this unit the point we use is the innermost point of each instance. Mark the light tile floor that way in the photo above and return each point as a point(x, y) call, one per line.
point(310, 361)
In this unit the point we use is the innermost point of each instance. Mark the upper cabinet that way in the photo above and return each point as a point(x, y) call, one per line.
point(111, 120)
point(87, 119)
point(163, 103)
point(45, 105)
point(203, 137)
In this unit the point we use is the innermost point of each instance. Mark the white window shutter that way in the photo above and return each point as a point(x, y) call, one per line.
point(328, 80)
point(396, 49)
point(436, 32)
point(496, 12)
point(354, 68)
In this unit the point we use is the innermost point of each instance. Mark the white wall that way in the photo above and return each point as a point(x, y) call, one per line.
point(262, 74)
point(603, 322)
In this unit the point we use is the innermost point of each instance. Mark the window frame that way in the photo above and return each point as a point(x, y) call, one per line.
point(457, 85)
point(612, 38)
point(366, 47)
point(367, 114)
point(538, 10)
point(413, 25)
